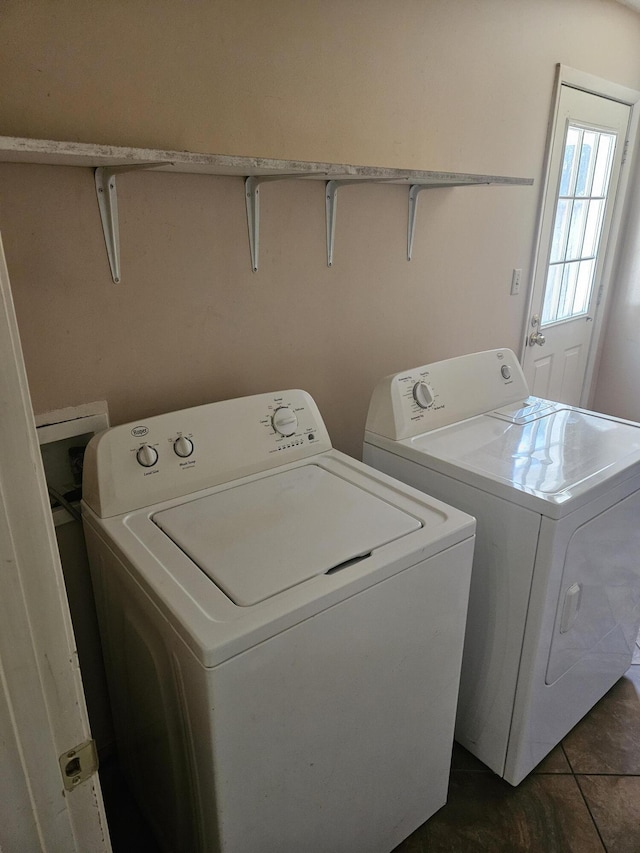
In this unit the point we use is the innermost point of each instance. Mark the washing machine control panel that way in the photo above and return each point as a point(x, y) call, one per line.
point(445, 392)
point(166, 456)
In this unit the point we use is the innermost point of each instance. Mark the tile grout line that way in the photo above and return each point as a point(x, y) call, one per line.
point(577, 776)
point(584, 799)
point(607, 773)
point(593, 820)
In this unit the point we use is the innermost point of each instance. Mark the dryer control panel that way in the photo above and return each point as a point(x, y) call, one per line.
point(435, 395)
point(166, 456)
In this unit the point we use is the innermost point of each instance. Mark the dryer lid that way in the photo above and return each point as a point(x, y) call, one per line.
point(554, 454)
point(259, 538)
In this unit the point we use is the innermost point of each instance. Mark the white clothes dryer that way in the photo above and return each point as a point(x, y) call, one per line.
point(282, 628)
point(554, 606)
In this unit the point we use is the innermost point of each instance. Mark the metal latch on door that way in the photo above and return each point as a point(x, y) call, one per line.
point(78, 764)
point(536, 337)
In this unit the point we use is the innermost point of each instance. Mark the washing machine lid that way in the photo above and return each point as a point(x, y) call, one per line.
point(547, 450)
point(259, 538)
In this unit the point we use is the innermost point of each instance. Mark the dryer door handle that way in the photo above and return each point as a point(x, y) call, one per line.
point(571, 606)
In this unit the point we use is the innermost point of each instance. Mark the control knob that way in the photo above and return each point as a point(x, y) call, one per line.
point(423, 395)
point(147, 456)
point(284, 421)
point(183, 446)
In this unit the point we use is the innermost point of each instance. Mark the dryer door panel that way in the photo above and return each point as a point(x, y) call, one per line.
point(599, 604)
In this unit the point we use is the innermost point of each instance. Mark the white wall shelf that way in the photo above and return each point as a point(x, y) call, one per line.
point(108, 161)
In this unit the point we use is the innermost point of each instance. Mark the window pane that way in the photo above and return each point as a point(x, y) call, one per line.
point(592, 230)
point(571, 147)
point(583, 287)
point(585, 170)
point(560, 229)
point(552, 294)
point(603, 164)
point(576, 230)
point(567, 291)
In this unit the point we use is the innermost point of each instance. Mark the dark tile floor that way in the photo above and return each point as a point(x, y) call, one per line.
point(583, 798)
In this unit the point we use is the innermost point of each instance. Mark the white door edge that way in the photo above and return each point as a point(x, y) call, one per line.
point(566, 76)
point(42, 706)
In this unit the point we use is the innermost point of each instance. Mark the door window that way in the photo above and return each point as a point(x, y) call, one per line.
point(577, 228)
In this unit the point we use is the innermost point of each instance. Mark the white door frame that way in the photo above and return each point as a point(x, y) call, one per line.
point(42, 707)
point(596, 86)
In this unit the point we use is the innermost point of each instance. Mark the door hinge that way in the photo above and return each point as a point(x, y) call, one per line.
point(79, 764)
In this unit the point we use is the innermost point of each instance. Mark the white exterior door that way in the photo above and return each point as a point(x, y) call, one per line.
point(42, 709)
point(574, 257)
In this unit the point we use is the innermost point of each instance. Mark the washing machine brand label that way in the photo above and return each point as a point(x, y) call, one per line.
point(139, 431)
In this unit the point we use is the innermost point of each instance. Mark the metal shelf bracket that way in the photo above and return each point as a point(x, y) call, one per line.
point(413, 205)
point(105, 177)
point(252, 199)
point(331, 203)
point(414, 190)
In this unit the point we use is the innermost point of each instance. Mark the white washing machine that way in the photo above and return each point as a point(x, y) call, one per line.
point(282, 628)
point(555, 589)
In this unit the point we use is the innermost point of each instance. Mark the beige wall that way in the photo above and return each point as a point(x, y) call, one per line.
point(436, 84)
